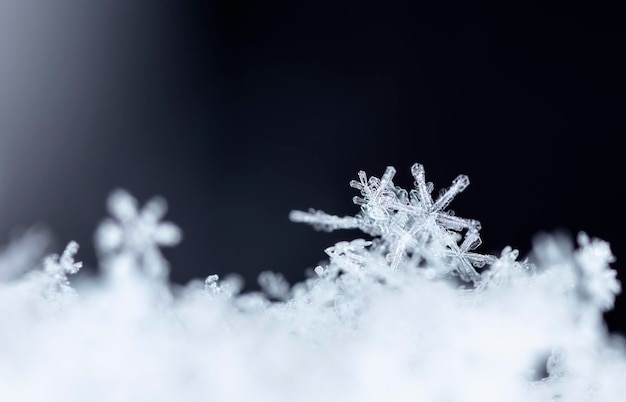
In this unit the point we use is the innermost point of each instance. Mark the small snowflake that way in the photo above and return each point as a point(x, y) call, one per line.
point(322, 221)
point(58, 268)
point(464, 260)
point(378, 194)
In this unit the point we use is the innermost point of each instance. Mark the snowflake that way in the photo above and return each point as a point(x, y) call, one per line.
point(464, 260)
point(57, 268)
point(505, 269)
point(136, 232)
point(409, 226)
point(599, 282)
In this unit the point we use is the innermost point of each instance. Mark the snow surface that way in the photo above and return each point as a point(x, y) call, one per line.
point(411, 312)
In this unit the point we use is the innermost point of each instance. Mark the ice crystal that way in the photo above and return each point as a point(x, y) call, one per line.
point(410, 225)
point(592, 278)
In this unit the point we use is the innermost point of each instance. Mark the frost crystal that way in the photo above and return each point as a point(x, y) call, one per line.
point(410, 227)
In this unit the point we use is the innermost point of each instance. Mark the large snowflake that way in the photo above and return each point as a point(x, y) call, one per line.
point(408, 227)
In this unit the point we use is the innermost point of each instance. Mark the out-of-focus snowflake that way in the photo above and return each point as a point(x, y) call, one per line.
point(592, 278)
point(135, 232)
point(409, 226)
point(598, 280)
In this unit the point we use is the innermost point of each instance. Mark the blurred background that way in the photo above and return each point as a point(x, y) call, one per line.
point(239, 111)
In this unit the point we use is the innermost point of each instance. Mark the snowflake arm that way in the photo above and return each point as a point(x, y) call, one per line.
point(323, 221)
point(423, 190)
point(458, 185)
point(456, 223)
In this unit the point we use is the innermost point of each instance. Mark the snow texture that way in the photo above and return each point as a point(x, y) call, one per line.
point(413, 312)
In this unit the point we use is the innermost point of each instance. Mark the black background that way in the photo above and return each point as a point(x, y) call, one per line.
point(239, 111)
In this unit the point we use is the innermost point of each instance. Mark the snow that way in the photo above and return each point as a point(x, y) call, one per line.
point(411, 312)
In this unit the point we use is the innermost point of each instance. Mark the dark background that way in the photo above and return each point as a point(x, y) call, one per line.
point(239, 111)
